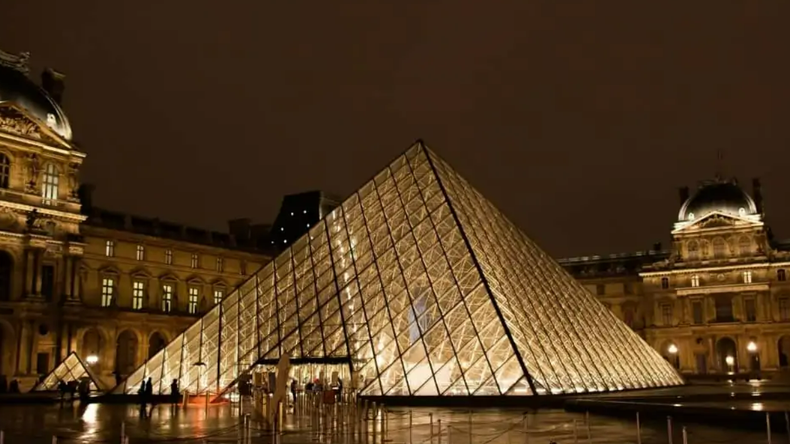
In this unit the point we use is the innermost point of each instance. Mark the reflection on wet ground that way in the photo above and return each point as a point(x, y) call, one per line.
point(99, 423)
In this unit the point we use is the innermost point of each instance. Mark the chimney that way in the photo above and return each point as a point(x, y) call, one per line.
point(683, 193)
point(757, 193)
point(53, 83)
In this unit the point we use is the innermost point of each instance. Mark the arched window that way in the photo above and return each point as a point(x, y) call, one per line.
point(745, 246)
point(5, 170)
point(50, 189)
point(719, 248)
point(693, 249)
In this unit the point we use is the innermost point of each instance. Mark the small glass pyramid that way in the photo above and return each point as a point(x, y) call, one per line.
point(71, 369)
point(425, 289)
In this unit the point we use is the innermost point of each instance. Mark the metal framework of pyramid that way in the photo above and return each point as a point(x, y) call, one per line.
point(71, 369)
point(426, 289)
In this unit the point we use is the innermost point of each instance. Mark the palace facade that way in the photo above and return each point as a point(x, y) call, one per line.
point(718, 301)
point(113, 287)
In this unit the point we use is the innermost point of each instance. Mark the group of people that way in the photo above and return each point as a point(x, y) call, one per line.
point(73, 387)
point(5, 387)
point(317, 387)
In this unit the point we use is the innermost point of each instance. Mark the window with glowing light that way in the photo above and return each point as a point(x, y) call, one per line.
point(695, 281)
point(109, 248)
point(167, 297)
point(138, 295)
point(194, 297)
point(195, 260)
point(747, 277)
point(49, 189)
point(220, 265)
point(107, 291)
point(140, 253)
point(218, 295)
point(169, 257)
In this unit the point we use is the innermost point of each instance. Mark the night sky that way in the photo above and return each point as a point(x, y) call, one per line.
point(578, 119)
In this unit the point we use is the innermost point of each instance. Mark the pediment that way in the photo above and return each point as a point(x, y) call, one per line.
point(716, 220)
point(140, 273)
point(15, 120)
point(169, 277)
point(110, 269)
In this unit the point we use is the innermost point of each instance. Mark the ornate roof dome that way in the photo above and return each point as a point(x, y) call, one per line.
point(718, 196)
point(16, 87)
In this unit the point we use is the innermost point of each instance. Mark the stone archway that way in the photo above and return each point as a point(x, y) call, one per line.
point(669, 350)
point(7, 353)
point(6, 275)
point(92, 346)
point(727, 355)
point(126, 353)
point(784, 352)
point(156, 342)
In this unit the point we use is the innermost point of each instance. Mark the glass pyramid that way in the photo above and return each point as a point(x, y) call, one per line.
point(71, 369)
point(425, 289)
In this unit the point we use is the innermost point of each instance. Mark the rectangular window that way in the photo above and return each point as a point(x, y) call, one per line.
point(193, 300)
point(724, 308)
point(49, 189)
point(747, 277)
point(666, 314)
point(665, 283)
point(107, 291)
point(167, 297)
point(751, 310)
point(169, 257)
point(109, 248)
point(695, 281)
point(600, 289)
point(218, 295)
point(195, 260)
point(781, 275)
point(696, 309)
point(220, 265)
point(138, 294)
point(140, 253)
point(784, 309)
point(48, 282)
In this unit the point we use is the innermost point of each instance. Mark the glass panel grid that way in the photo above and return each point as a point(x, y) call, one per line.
point(428, 290)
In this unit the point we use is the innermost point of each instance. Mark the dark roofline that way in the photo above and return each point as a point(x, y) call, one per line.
point(148, 226)
point(615, 257)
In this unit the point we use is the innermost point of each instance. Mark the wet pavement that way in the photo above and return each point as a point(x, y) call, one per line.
point(104, 423)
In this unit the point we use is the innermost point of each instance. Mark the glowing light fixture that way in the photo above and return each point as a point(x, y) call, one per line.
point(673, 349)
point(751, 346)
point(92, 359)
point(729, 360)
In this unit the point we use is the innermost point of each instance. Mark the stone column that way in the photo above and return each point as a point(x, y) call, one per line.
point(30, 274)
point(76, 278)
point(33, 347)
point(67, 277)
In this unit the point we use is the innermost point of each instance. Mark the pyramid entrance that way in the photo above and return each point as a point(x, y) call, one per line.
point(424, 288)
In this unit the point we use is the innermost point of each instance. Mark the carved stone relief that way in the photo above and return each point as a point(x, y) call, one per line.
point(12, 121)
point(33, 170)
